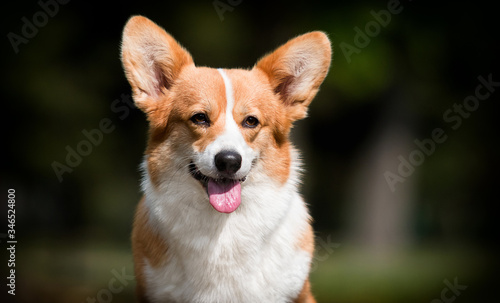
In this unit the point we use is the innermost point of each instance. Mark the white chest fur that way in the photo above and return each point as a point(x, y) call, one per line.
point(250, 255)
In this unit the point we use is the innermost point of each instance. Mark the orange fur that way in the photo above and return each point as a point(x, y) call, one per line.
point(146, 244)
point(306, 243)
point(305, 295)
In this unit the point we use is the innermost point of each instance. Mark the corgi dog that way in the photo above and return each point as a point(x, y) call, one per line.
point(221, 219)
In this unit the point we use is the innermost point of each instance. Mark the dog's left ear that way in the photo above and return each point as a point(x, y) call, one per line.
point(297, 69)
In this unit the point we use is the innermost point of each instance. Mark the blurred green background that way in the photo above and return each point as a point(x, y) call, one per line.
point(395, 78)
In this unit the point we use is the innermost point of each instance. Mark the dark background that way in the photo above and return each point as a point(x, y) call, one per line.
point(437, 228)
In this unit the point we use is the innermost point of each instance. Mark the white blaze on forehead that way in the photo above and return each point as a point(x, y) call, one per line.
point(229, 96)
point(231, 138)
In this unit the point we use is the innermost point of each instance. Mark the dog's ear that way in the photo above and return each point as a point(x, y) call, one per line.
point(152, 60)
point(297, 69)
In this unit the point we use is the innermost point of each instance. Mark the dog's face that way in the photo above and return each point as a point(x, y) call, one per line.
point(217, 126)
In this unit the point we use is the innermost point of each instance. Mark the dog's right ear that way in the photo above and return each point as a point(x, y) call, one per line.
point(152, 60)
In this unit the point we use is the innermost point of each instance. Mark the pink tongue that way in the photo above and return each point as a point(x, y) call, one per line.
point(225, 197)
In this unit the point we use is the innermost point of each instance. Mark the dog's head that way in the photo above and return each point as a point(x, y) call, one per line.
point(217, 125)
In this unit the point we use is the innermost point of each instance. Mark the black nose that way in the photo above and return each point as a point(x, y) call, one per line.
point(228, 162)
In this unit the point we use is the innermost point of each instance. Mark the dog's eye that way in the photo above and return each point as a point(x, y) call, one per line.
point(250, 122)
point(200, 119)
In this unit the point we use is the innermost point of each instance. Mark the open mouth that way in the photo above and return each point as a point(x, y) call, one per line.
point(195, 172)
point(224, 193)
